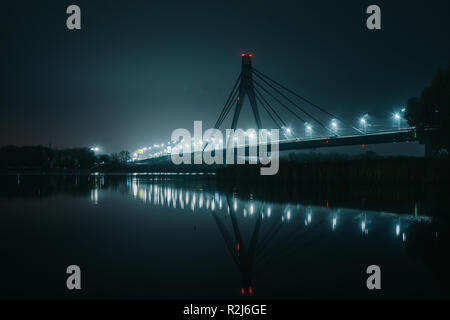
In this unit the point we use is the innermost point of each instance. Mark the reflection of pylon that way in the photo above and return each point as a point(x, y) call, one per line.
point(246, 88)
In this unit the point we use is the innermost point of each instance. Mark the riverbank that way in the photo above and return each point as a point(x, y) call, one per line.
point(417, 171)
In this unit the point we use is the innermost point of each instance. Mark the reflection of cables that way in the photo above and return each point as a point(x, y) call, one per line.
point(257, 72)
point(268, 112)
point(267, 258)
point(291, 102)
point(278, 100)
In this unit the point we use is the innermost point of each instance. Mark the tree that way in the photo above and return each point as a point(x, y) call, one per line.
point(103, 158)
point(431, 111)
point(121, 157)
point(124, 156)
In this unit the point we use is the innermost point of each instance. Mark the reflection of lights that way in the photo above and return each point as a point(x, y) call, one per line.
point(308, 215)
point(334, 223)
point(397, 229)
point(288, 215)
point(251, 209)
point(134, 186)
point(268, 211)
point(363, 226)
point(235, 205)
point(403, 237)
point(200, 201)
point(94, 196)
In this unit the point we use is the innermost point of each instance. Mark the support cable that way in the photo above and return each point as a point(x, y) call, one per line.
point(278, 100)
point(226, 106)
point(268, 112)
point(303, 98)
point(264, 101)
point(293, 103)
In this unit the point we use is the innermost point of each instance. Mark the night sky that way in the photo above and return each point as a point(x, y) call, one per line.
point(139, 69)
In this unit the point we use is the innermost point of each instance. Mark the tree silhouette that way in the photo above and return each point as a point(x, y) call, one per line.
point(431, 111)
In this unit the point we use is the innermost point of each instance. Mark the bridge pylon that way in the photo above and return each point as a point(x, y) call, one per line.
point(246, 89)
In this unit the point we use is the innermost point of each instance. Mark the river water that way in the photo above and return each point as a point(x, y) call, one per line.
point(172, 237)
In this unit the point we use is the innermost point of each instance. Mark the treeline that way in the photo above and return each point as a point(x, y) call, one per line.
point(45, 158)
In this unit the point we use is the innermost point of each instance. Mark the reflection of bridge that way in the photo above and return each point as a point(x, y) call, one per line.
point(257, 234)
point(282, 107)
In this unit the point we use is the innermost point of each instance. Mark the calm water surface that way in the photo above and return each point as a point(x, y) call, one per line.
point(141, 236)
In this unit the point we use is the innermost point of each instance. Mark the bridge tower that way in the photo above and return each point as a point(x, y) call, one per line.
point(246, 89)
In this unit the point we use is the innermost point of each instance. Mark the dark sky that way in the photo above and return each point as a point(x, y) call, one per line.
point(139, 69)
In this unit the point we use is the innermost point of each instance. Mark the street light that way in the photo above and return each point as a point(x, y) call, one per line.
point(334, 126)
point(363, 122)
point(308, 130)
point(287, 131)
point(398, 118)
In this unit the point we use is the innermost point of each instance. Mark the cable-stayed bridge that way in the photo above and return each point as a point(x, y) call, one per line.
point(319, 128)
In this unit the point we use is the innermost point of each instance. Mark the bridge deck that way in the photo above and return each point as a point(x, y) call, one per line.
point(405, 135)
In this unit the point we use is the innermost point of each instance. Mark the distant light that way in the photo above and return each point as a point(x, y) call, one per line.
point(242, 54)
point(250, 55)
point(363, 120)
point(95, 149)
point(397, 116)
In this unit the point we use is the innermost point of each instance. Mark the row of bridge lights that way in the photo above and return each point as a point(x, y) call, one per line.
point(288, 133)
point(334, 127)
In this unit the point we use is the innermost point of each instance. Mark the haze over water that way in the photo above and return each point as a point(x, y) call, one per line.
point(146, 236)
